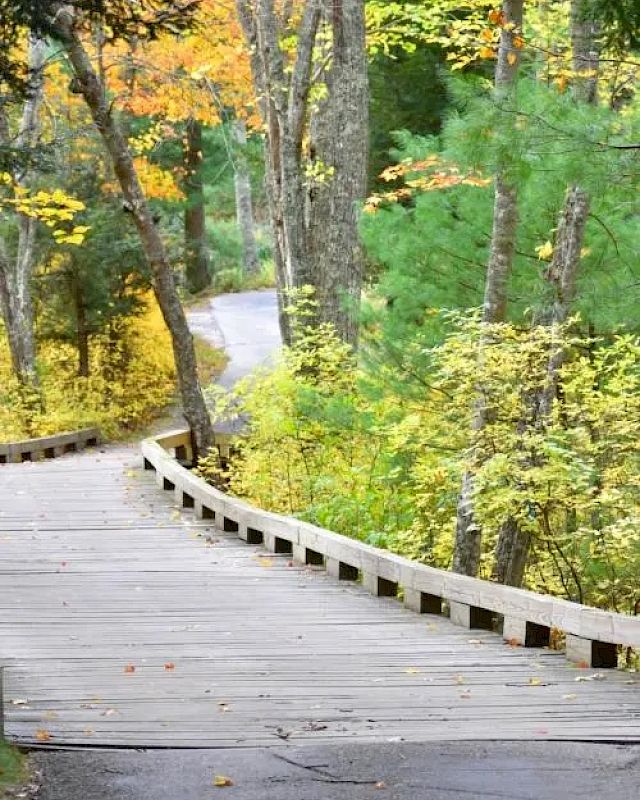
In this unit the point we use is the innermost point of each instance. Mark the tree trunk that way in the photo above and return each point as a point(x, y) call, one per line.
point(195, 233)
point(314, 221)
point(468, 534)
point(244, 200)
point(512, 550)
point(82, 330)
point(339, 154)
point(16, 273)
point(86, 82)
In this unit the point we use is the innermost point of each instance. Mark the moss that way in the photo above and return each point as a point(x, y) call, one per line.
point(13, 769)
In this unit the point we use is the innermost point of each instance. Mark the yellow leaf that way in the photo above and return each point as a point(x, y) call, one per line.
point(545, 251)
point(222, 780)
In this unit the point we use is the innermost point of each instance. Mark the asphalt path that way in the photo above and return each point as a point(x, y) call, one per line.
point(394, 771)
point(245, 325)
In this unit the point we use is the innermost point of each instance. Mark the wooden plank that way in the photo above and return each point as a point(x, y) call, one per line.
point(235, 646)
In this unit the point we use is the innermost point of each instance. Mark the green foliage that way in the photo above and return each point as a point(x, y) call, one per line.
point(553, 144)
point(362, 452)
point(12, 766)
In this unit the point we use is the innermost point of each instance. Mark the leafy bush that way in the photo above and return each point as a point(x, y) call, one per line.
point(379, 455)
point(131, 377)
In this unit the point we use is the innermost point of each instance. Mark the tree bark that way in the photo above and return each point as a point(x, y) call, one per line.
point(195, 233)
point(339, 152)
point(512, 551)
point(87, 83)
point(314, 223)
point(82, 329)
point(468, 534)
point(16, 272)
point(244, 200)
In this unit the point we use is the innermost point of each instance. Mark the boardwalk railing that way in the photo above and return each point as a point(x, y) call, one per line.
point(48, 446)
point(592, 636)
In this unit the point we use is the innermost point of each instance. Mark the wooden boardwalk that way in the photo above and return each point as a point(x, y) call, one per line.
point(126, 621)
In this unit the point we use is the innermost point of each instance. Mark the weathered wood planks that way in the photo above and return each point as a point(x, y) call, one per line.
point(232, 645)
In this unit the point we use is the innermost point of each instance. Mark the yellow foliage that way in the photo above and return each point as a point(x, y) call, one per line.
point(131, 378)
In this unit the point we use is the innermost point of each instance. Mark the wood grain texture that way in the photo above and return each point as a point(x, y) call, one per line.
point(126, 620)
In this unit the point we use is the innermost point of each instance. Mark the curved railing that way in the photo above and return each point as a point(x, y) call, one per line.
point(592, 635)
point(48, 446)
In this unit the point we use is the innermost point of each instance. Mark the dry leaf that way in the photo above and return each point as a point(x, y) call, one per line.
point(222, 780)
point(169, 666)
point(535, 682)
point(412, 671)
point(129, 669)
point(569, 696)
point(42, 735)
point(381, 785)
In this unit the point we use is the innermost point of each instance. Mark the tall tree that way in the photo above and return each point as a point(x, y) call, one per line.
point(196, 255)
point(315, 190)
point(244, 198)
point(16, 270)
point(512, 550)
point(503, 242)
point(63, 25)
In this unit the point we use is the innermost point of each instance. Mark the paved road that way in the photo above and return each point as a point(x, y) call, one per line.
point(447, 771)
point(245, 325)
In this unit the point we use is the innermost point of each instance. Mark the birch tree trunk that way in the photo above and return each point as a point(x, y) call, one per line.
point(512, 550)
point(195, 232)
point(87, 83)
point(16, 271)
point(244, 200)
point(468, 534)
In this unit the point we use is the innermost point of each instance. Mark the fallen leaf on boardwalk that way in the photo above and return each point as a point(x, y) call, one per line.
point(224, 707)
point(169, 666)
point(412, 671)
point(459, 679)
point(42, 735)
point(535, 682)
point(89, 732)
point(569, 696)
point(222, 780)
point(265, 562)
point(50, 715)
point(514, 643)
point(129, 669)
point(381, 785)
point(19, 702)
point(475, 641)
point(131, 473)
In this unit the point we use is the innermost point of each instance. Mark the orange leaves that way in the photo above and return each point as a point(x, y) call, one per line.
point(42, 735)
point(169, 666)
point(438, 175)
point(129, 669)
